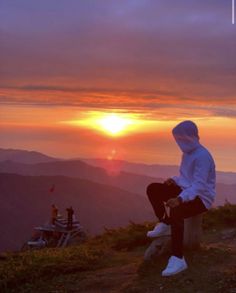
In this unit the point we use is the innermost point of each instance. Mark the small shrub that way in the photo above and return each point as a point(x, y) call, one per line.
point(127, 238)
point(220, 216)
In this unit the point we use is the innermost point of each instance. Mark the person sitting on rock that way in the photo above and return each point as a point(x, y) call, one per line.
point(187, 195)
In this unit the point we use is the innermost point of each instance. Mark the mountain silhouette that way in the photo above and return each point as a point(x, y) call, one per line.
point(75, 168)
point(24, 156)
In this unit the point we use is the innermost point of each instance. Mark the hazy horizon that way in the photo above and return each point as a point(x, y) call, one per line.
point(99, 158)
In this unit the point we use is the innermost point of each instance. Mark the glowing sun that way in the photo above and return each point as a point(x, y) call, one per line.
point(113, 124)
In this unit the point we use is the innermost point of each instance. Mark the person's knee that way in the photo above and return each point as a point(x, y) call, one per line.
point(150, 189)
point(153, 189)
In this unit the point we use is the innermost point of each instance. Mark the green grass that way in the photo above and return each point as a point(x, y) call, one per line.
point(126, 238)
point(31, 266)
point(113, 262)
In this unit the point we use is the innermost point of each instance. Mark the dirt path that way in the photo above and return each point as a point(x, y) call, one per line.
point(110, 280)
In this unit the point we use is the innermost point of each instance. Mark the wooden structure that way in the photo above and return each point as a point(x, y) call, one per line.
point(192, 238)
point(57, 235)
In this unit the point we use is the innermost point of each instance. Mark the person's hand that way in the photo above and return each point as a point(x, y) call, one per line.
point(173, 202)
point(170, 181)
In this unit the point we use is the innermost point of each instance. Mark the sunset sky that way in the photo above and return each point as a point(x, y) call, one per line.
point(96, 78)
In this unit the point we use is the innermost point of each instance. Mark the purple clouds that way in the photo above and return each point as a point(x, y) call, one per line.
point(176, 52)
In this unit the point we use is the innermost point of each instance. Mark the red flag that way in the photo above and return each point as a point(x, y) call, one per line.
point(52, 188)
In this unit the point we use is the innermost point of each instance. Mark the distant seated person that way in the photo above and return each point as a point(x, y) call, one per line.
point(70, 213)
point(54, 214)
point(187, 195)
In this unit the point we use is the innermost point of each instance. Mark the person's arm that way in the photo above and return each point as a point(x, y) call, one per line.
point(177, 179)
point(200, 174)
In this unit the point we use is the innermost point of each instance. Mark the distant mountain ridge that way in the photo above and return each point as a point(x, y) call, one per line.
point(131, 182)
point(153, 170)
point(112, 166)
point(24, 156)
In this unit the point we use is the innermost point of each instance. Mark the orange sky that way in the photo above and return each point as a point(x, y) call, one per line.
point(49, 130)
point(151, 61)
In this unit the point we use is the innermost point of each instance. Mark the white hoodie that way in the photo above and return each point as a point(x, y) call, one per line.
point(197, 170)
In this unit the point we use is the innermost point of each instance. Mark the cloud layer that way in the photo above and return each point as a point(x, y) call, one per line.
point(124, 54)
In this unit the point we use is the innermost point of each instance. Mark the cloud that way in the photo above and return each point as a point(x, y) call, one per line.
point(148, 105)
point(119, 54)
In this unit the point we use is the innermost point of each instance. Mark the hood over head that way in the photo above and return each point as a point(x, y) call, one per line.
point(186, 136)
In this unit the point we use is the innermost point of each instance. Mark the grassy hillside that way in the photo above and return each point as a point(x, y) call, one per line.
point(113, 262)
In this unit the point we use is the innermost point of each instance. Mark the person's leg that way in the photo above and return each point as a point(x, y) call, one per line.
point(177, 216)
point(158, 193)
point(177, 262)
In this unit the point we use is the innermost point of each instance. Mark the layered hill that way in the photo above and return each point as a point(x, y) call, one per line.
point(75, 168)
point(153, 170)
point(112, 166)
point(110, 175)
point(25, 202)
point(24, 156)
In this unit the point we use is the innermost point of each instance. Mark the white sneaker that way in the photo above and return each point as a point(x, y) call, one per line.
point(161, 229)
point(175, 265)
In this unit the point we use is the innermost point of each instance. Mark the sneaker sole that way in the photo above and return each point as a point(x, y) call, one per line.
point(158, 235)
point(172, 274)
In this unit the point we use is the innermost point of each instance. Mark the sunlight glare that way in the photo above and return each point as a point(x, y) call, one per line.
point(113, 124)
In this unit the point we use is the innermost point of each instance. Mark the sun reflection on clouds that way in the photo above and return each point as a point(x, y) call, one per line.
point(113, 123)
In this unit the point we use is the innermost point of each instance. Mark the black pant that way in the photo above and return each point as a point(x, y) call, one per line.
point(158, 193)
